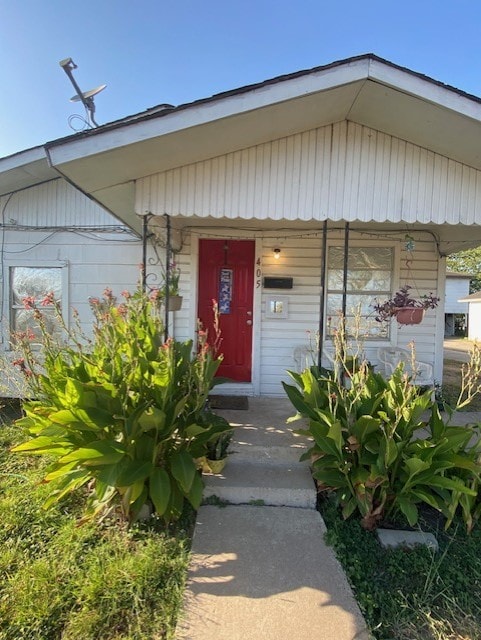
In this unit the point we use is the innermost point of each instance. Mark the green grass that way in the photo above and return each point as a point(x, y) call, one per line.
point(412, 594)
point(62, 581)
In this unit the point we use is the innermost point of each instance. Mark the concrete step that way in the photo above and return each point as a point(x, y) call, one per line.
point(268, 455)
point(246, 482)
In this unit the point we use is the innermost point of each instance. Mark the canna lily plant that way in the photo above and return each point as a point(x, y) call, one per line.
point(122, 413)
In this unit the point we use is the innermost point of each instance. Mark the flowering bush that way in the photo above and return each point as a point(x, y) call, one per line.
point(402, 299)
point(121, 412)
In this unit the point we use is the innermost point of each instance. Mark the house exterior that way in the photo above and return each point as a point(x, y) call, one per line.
point(474, 305)
point(455, 311)
point(285, 201)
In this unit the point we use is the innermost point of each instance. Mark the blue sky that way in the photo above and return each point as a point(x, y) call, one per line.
point(149, 52)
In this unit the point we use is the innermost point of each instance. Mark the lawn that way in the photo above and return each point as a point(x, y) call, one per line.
point(59, 580)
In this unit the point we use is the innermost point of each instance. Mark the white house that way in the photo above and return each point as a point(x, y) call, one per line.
point(456, 311)
point(474, 304)
point(286, 199)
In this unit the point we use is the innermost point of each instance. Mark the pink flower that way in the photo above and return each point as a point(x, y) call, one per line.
point(29, 302)
point(94, 301)
point(154, 295)
point(107, 293)
point(126, 294)
point(48, 300)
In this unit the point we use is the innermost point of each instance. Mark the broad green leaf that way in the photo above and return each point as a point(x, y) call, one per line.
point(453, 484)
point(195, 494)
point(68, 483)
point(60, 471)
point(349, 507)
point(391, 453)
point(43, 445)
point(415, 466)
point(365, 426)
point(152, 418)
point(134, 471)
point(330, 478)
point(183, 469)
point(409, 509)
point(97, 453)
point(194, 430)
point(159, 485)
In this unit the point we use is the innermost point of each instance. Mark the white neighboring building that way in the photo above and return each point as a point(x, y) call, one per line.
point(456, 311)
point(474, 325)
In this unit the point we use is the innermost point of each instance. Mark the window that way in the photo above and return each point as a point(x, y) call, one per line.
point(34, 282)
point(369, 276)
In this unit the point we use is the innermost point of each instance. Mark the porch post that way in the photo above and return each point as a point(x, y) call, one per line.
point(168, 251)
point(344, 273)
point(145, 233)
point(322, 296)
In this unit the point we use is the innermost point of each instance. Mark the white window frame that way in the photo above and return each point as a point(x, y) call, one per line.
point(391, 338)
point(7, 319)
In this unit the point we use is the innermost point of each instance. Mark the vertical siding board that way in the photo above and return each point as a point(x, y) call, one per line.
point(229, 173)
point(342, 171)
point(252, 182)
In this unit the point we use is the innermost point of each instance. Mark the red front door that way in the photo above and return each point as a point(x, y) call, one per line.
point(226, 274)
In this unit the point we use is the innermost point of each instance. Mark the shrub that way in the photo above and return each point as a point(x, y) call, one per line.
point(374, 447)
point(122, 412)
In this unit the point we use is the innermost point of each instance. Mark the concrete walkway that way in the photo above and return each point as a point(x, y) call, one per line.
point(260, 568)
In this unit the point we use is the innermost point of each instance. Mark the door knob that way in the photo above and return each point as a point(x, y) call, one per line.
point(249, 322)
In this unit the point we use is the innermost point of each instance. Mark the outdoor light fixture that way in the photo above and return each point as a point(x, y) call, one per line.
point(277, 253)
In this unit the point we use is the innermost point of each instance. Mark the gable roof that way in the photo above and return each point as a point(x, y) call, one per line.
point(105, 162)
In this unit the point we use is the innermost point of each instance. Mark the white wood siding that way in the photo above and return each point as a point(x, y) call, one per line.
point(456, 288)
point(343, 171)
point(474, 323)
point(54, 203)
point(276, 339)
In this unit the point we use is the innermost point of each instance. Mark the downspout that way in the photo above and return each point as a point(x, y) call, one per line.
point(322, 295)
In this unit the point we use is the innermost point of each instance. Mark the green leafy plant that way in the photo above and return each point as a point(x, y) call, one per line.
point(218, 446)
point(403, 299)
point(121, 413)
point(373, 446)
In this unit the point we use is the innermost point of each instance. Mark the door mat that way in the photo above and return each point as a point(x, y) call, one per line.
point(229, 402)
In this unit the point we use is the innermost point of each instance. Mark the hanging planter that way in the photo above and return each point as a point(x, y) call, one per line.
point(175, 303)
point(409, 315)
point(406, 309)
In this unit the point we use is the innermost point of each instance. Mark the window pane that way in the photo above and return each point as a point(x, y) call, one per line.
point(355, 304)
point(24, 321)
point(359, 279)
point(369, 276)
point(361, 258)
point(366, 327)
point(35, 282)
